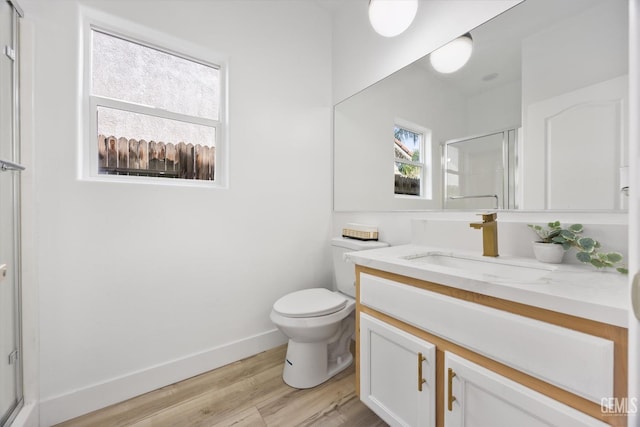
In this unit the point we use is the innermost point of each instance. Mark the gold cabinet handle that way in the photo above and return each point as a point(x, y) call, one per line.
point(450, 398)
point(421, 380)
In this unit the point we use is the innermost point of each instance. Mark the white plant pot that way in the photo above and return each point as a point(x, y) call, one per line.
point(551, 253)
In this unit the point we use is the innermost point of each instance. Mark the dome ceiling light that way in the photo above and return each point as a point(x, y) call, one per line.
point(392, 17)
point(452, 56)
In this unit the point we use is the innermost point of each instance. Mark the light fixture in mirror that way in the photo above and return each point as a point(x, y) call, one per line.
point(452, 56)
point(390, 18)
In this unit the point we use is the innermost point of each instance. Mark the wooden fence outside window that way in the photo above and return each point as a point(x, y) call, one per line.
point(122, 156)
point(407, 185)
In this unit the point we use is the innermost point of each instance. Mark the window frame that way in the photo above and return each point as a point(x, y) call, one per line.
point(92, 20)
point(424, 164)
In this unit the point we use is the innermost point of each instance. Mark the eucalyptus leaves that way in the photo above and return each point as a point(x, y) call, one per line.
point(571, 237)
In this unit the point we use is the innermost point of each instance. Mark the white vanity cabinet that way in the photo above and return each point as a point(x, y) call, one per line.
point(514, 364)
point(397, 374)
point(475, 396)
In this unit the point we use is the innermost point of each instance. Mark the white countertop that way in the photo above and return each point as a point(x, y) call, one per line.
point(578, 290)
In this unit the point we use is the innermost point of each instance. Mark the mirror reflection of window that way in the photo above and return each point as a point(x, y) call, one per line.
point(410, 166)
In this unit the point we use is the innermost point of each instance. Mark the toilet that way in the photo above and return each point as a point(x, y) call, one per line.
point(320, 323)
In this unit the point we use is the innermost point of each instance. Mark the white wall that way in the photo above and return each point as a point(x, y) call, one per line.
point(361, 57)
point(582, 53)
point(143, 285)
point(493, 110)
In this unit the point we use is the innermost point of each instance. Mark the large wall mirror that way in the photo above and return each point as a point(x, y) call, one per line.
point(536, 120)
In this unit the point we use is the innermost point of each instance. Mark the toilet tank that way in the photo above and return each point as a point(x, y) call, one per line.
point(344, 271)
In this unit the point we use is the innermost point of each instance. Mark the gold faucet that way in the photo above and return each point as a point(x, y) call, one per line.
point(489, 228)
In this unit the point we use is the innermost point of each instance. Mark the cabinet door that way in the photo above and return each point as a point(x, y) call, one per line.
point(397, 374)
point(478, 397)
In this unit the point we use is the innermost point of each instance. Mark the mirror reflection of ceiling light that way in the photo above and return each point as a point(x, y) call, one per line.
point(452, 56)
point(392, 17)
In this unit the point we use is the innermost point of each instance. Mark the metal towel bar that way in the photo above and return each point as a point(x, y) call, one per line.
point(10, 166)
point(479, 196)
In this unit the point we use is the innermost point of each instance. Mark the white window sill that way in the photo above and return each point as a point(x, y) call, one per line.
point(145, 180)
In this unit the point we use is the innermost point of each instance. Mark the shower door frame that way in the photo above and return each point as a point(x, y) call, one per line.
point(510, 156)
point(17, 247)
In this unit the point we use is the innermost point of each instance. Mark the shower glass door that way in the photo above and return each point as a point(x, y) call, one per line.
point(480, 171)
point(10, 358)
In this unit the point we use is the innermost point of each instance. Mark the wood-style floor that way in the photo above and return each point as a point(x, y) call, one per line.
point(249, 392)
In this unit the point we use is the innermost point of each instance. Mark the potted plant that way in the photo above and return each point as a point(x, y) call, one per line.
point(546, 249)
point(554, 235)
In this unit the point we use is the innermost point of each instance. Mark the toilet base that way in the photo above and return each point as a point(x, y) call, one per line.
point(307, 364)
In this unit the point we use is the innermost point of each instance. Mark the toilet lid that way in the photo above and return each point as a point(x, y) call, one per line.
point(309, 303)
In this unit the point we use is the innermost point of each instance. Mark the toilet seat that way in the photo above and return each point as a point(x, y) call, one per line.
point(310, 303)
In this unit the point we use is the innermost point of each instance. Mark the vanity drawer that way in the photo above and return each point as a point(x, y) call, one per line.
point(580, 363)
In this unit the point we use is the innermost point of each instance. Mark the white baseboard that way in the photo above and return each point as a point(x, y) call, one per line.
point(78, 402)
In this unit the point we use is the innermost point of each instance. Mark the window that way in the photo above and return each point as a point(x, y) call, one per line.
point(410, 145)
point(154, 113)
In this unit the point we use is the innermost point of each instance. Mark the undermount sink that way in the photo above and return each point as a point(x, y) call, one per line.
point(495, 268)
